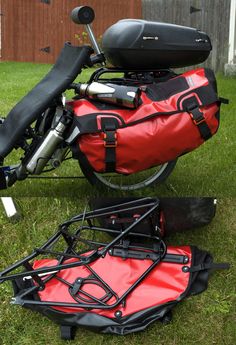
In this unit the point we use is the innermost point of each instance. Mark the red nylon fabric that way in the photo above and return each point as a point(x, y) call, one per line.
point(165, 283)
point(154, 141)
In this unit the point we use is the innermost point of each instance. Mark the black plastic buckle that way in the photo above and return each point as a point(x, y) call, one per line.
point(110, 139)
point(197, 116)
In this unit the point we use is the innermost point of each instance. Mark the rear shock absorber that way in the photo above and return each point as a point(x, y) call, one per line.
point(48, 145)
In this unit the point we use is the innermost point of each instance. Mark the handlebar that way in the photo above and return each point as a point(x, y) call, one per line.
point(85, 15)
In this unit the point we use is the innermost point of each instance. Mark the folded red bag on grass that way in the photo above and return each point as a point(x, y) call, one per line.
point(89, 293)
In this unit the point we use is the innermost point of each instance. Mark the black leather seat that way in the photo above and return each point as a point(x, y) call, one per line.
point(63, 73)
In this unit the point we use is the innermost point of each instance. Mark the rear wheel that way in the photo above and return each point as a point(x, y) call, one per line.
point(135, 181)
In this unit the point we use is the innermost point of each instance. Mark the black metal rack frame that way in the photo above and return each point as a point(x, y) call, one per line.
point(132, 76)
point(151, 247)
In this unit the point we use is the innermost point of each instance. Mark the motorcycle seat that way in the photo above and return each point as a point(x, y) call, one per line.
point(63, 73)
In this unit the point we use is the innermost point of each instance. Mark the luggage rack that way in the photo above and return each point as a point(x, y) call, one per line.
point(151, 247)
point(132, 76)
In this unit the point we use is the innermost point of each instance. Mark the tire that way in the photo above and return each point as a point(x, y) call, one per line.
point(155, 175)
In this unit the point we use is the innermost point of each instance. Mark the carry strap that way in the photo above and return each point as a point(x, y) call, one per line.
point(207, 266)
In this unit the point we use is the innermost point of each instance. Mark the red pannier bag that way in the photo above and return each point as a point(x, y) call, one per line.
point(116, 285)
point(174, 117)
point(183, 272)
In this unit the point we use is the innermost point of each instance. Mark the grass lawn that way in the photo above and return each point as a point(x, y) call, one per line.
point(206, 171)
point(208, 318)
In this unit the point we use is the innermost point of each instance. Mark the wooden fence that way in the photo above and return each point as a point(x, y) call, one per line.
point(35, 30)
point(210, 16)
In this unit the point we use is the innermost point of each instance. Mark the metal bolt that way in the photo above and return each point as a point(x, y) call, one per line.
point(41, 288)
point(185, 269)
point(118, 314)
point(186, 260)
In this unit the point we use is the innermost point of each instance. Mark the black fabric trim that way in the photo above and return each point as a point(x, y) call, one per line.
point(198, 281)
point(87, 123)
point(164, 90)
point(65, 70)
point(90, 320)
point(210, 75)
point(218, 116)
point(206, 94)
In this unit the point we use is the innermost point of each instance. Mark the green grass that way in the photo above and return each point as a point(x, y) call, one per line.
point(209, 170)
point(208, 318)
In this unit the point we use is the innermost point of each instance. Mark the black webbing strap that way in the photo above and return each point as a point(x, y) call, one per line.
point(109, 126)
point(192, 107)
point(224, 100)
point(209, 266)
point(68, 332)
point(200, 122)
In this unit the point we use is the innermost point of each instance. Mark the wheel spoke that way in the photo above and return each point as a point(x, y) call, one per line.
point(134, 181)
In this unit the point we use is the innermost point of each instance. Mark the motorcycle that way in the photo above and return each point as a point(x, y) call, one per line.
point(50, 128)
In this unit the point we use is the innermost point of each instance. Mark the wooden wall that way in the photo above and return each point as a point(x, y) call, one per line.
point(35, 30)
point(213, 18)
